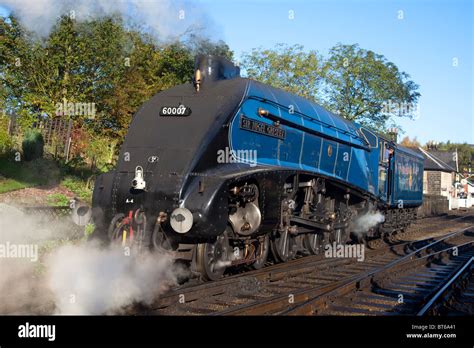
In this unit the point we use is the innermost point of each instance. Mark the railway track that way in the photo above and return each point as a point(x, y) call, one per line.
point(400, 287)
point(280, 287)
point(456, 296)
point(429, 226)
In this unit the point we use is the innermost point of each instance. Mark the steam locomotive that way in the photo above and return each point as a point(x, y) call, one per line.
point(226, 171)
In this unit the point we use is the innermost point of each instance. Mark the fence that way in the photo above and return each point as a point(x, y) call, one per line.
point(457, 203)
point(56, 134)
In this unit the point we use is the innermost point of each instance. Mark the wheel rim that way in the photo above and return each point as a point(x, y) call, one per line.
point(282, 246)
point(212, 258)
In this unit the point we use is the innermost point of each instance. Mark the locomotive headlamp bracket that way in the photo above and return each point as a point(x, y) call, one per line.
point(138, 182)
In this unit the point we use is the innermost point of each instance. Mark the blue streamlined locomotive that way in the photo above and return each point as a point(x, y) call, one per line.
point(222, 171)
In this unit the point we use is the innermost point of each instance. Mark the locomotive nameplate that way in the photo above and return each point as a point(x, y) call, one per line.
point(262, 128)
point(177, 111)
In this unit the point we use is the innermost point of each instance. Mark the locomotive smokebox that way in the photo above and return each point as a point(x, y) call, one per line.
point(209, 68)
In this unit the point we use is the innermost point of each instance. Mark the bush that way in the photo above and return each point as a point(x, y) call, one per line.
point(100, 150)
point(32, 145)
point(57, 200)
point(79, 187)
point(6, 142)
point(88, 230)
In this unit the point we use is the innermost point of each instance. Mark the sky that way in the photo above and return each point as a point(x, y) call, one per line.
point(431, 40)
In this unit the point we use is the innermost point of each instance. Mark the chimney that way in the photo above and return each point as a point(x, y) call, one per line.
point(209, 69)
point(393, 134)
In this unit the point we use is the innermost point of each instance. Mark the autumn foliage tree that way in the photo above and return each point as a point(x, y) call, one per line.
point(406, 141)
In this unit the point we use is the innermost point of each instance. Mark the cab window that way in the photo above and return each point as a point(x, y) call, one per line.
point(370, 137)
point(384, 152)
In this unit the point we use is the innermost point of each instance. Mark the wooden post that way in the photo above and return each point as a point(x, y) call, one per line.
point(68, 140)
point(11, 125)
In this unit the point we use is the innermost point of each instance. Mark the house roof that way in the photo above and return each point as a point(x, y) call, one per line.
point(434, 160)
point(445, 156)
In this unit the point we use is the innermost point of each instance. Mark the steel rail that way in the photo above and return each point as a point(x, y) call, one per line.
point(437, 296)
point(305, 296)
point(366, 279)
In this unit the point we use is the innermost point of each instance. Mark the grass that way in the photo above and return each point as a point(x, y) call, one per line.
point(78, 186)
point(24, 174)
point(57, 200)
point(7, 185)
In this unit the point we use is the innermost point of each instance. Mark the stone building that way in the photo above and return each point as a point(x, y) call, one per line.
point(438, 176)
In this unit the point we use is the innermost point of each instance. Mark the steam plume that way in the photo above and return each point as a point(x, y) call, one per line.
point(164, 19)
point(363, 223)
point(76, 277)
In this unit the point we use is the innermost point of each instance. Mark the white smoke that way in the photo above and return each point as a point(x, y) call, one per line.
point(363, 223)
point(163, 19)
point(87, 279)
point(21, 289)
point(72, 276)
point(18, 227)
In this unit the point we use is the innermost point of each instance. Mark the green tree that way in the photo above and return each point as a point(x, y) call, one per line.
point(286, 67)
point(98, 62)
point(363, 86)
point(16, 57)
point(77, 63)
point(151, 70)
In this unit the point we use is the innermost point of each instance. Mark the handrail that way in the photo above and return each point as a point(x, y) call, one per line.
point(325, 124)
